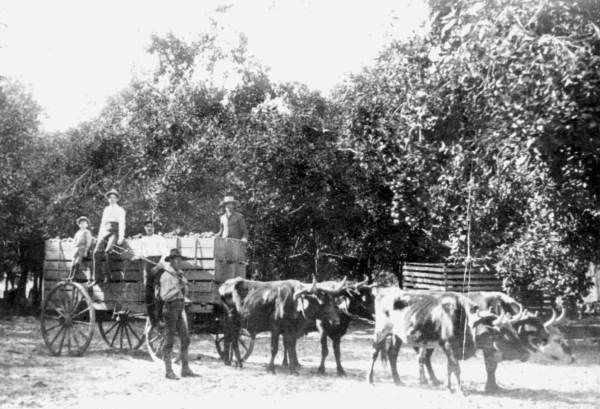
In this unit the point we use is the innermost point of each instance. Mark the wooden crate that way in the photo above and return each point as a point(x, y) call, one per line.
point(196, 274)
point(446, 277)
point(199, 264)
point(113, 292)
point(232, 250)
point(120, 270)
point(197, 247)
point(59, 249)
point(203, 292)
point(224, 270)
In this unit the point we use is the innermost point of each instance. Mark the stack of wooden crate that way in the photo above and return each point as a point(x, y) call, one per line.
point(124, 289)
point(448, 277)
point(211, 262)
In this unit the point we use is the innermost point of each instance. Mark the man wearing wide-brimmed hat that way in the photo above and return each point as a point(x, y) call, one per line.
point(232, 223)
point(112, 229)
point(172, 292)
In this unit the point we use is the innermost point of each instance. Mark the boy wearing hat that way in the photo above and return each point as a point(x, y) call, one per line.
point(172, 291)
point(112, 229)
point(232, 223)
point(82, 242)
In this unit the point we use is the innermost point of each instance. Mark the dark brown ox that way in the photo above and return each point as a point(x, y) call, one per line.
point(283, 308)
point(448, 320)
point(539, 336)
point(354, 301)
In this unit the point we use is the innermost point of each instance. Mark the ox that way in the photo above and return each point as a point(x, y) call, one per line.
point(537, 336)
point(448, 320)
point(283, 308)
point(354, 301)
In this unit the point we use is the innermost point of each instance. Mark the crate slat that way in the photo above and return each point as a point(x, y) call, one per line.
point(225, 270)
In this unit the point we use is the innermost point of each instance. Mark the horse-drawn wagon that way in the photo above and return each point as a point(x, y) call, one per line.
point(71, 310)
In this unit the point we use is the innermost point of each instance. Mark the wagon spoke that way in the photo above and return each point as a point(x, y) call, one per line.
point(122, 328)
point(62, 340)
point(81, 333)
point(243, 344)
point(51, 328)
point(126, 329)
point(80, 322)
point(112, 342)
point(76, 341)
point(81, 312)
point(139, 339)
point(57, 334)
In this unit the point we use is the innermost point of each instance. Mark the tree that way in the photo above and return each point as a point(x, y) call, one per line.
point(493, 111)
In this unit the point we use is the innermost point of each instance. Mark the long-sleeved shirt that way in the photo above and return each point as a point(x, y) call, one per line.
point(154, 245)
point(233, 227)
point(112, 213)
point(173, 284)
point(83, 239)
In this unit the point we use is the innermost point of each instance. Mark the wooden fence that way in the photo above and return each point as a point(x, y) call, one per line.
point(452, 277)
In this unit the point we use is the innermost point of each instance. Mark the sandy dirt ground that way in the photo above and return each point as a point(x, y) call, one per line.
point(105, 378)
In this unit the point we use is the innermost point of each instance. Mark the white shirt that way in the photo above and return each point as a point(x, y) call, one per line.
point(154, 245)
point(113, 213)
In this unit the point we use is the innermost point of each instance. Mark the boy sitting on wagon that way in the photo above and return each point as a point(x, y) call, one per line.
point(83, 241)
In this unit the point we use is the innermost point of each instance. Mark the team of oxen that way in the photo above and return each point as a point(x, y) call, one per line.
point(458, 324)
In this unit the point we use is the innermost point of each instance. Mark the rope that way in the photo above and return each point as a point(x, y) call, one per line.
point(467, 272)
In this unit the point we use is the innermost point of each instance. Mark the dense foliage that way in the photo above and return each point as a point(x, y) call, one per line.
point(477, 141)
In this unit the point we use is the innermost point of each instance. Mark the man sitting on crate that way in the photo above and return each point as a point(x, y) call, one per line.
point(153, 250)
point(172, 292)
point(232, 223)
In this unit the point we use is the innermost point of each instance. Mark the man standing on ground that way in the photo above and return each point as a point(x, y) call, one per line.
point(173, 288)
point(232, 223)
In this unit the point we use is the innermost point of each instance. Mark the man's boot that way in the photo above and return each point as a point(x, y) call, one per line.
point(169, 374)
point(186, 372)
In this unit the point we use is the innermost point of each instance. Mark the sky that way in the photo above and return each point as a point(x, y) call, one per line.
point(75, 54)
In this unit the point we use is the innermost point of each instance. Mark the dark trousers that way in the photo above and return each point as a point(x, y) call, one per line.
point(102, 251)
point(153, 305)
point(177, 324)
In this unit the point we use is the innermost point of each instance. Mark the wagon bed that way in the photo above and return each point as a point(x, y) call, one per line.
point(70, 310)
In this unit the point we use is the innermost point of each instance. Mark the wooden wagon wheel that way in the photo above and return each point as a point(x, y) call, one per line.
point(125, 331)
point(155, 341)
point(68, 319)
point(245, 343)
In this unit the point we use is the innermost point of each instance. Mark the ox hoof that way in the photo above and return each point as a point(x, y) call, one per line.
point(436, 382)
point(341, 372)
point(321, 370)
point(495, 389)
point(398, 382)
point(271, 369)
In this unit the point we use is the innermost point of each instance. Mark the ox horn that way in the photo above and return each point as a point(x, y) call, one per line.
point(517, 317)
point(342, 284)
point(338, 289)
point(362, 283)
point(562, 315)
point(551, 320)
